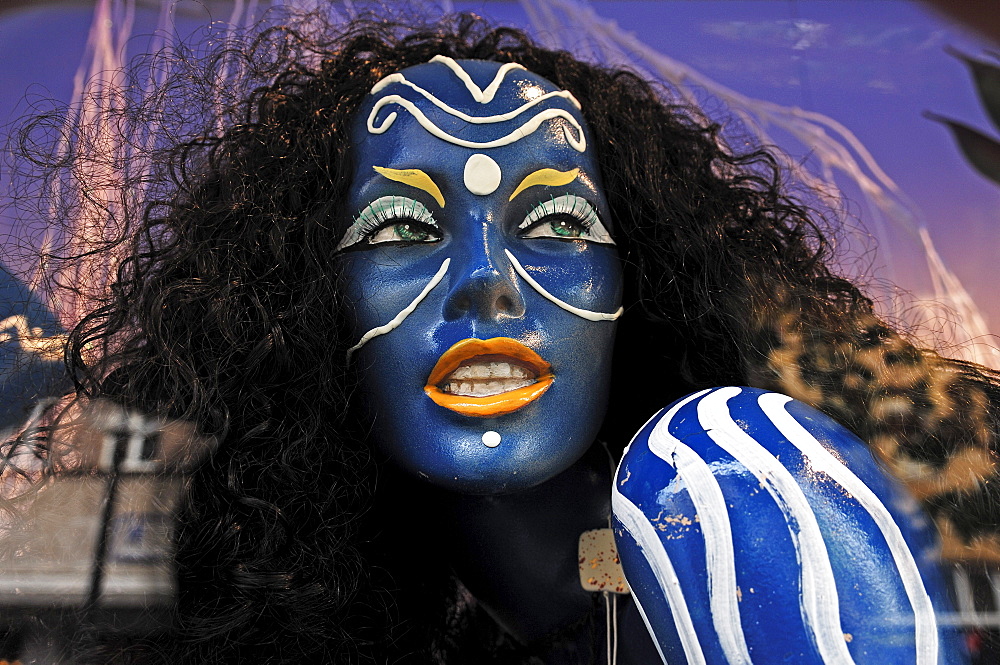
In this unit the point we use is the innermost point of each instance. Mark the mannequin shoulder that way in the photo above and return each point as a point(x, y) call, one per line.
point(751, 525)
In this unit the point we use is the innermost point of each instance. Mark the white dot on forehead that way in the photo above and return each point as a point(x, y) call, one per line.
point(491, 439)
point(482, 174)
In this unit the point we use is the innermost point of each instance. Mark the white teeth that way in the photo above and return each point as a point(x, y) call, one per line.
point(482, 379)
point(485, 388)
point(490, 370)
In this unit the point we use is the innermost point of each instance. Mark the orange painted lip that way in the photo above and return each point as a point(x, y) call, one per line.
point(491, 405)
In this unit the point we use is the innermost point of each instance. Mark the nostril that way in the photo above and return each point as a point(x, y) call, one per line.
point(484, 294)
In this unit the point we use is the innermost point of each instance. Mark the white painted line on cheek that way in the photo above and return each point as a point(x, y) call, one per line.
point(399, 318)
point(820, 459)
point(582, 313)
point(491, 439)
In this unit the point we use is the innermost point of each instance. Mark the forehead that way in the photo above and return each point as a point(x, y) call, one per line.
point(446, 110)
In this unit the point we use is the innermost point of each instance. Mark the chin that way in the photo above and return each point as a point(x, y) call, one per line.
point(464, 455)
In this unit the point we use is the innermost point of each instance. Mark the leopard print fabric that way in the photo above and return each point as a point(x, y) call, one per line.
point(932, 421)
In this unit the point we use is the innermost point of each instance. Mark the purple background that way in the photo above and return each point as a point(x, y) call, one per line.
point(873, 66)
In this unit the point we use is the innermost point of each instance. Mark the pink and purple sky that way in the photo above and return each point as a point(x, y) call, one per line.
point(874, 66)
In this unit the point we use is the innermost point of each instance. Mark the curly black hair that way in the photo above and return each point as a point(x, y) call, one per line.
point(225, 312)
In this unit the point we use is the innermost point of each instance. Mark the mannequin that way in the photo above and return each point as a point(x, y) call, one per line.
point(487, 163)
point(304, 285)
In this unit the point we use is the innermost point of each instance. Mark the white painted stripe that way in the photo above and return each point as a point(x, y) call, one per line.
point(668, 414)
point(820, 459)
point(486, 96)
point(649, 629)
point(406, 311)
point(638, 526)
point(477, 119)
point(720, 561)
point(578, 143)
point(480, 95)
point(582, 313)
point(483, 96)
point(819, 602)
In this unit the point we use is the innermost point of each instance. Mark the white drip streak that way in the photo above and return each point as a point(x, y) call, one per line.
point(638, 526)
point(720, 560)
point(406, 311)
point(819, 601)
point(582, 313)
point(649, 628)
point(820, 459)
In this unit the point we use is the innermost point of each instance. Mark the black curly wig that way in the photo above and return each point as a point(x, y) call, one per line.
point(225, 312)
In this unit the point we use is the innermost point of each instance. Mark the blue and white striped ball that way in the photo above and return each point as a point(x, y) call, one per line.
point(754, 529)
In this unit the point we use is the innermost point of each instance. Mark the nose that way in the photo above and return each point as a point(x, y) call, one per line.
point(485, 284)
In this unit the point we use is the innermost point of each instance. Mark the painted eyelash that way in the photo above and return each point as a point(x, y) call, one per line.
point(381, 211)
point(567, 204)
point(577, 208)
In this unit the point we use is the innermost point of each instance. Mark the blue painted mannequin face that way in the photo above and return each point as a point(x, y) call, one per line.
point(484, 279)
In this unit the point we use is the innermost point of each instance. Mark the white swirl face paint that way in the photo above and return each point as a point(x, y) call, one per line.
point(433, 120)
point(475, 119)
point(482, 96)
point(405, 312)
point(578, 142)
point(582, 313)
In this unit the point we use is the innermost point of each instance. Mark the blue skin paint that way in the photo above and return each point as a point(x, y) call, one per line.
point(458, 257)
point(480, 295)
point(874, 607)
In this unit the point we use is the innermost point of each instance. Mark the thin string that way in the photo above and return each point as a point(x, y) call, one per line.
point(611, 618)
point(614, 628)
point(607, 625)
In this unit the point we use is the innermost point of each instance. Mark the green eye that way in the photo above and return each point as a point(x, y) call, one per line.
point(391, 219)
point(405, 232)
point(568, 217)
point(566, 228)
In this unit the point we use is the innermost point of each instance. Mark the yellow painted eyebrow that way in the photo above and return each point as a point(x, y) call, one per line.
point(414, 178)
point(545, 177)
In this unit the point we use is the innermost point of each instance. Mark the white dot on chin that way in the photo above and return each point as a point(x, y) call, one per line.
point(491, 439)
